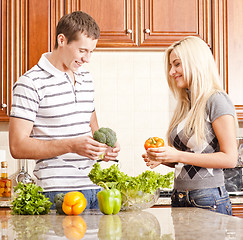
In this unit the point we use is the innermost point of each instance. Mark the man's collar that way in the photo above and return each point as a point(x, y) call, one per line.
point(45, 64)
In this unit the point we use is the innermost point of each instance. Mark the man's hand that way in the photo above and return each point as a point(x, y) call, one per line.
point(112, 153)
point(88, 147)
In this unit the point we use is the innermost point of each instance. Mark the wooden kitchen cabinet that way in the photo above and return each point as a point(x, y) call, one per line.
point(24, 37)
point(228, 48)
point(146, 23)
point(3, 83)
point(116, 19)
point(163, 22)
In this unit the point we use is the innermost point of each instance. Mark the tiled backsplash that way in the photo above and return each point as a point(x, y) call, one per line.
point(132, 97)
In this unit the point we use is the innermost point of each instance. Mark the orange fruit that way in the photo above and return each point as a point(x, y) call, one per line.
point(74, 203)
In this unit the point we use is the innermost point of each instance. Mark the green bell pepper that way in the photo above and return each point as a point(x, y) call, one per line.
point(109, 200)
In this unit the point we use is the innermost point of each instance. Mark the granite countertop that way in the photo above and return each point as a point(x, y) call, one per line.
point(152, 223)
point(161, 201)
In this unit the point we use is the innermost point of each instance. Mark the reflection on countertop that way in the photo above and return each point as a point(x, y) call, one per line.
point(152, 223)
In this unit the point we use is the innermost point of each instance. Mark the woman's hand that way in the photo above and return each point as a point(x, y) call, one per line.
point(150, 163)
point(163, 155)
point(167, 156)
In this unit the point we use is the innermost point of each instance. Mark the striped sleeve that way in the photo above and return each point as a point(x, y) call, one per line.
point(26, 100)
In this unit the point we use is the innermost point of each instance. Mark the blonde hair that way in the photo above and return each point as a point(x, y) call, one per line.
point(201, 74)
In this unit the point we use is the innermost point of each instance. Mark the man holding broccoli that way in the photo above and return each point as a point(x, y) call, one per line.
point(53, 115)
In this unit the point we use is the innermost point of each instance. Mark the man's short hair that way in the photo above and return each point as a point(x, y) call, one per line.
point(77, 22)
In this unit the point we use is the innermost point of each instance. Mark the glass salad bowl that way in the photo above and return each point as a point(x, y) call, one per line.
point(133, 200)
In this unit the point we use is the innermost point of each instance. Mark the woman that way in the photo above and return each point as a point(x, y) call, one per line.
point(202, 132)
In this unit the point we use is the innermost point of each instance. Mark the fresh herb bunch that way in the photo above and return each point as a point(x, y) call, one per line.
point(29, 200)
point(148, 181)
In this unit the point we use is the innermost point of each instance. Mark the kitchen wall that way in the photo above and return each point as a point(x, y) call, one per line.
point(132, 97)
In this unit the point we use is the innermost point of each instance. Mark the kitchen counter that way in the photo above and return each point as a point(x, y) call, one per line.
point(152, 223)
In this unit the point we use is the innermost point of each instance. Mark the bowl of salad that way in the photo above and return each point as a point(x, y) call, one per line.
point(133, 200)
point(138, 192)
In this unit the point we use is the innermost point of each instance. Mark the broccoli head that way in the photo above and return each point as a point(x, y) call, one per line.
point(105, 135)
point(58, 200)
point(100, 137)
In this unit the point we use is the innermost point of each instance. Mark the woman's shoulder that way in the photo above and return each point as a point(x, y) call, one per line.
point(219, 104)
point(219, 96)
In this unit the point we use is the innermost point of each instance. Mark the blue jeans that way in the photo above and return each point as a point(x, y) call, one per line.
point(90, 195)
point(213, 199)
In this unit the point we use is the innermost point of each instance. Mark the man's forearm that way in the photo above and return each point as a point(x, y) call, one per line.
point(38, 149)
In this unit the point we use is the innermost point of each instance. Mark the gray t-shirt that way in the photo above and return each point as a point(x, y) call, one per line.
point(189, 177)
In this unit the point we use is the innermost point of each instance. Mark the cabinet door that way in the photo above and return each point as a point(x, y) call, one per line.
point(24, 37)
point(4, 89)
point(116, 19)
point(164, 22)
point(228, 49)
point(235, 50)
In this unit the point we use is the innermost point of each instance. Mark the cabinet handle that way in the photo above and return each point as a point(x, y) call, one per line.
point(147, 30)
point(4, 105)
point(129, 30)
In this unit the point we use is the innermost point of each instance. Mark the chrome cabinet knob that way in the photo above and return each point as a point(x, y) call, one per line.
point(4, 105)
point(129, 30)
point(147, 30)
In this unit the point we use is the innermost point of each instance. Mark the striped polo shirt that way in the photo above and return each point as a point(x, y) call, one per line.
point(59, 110)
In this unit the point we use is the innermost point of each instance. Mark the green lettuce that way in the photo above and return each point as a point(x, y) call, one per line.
point(148, 181)
point(29, 200)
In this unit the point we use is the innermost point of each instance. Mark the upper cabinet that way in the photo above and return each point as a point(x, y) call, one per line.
point(117, 20)
point(228, 48)
point(24, 36)
point(163, 22)
point(146, 23)
point(234, 49)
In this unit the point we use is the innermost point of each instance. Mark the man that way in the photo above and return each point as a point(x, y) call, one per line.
point(53, 116)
